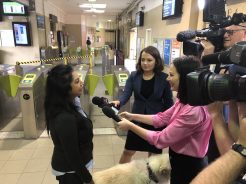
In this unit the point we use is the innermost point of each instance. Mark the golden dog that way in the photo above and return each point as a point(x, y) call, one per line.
point(155, 169)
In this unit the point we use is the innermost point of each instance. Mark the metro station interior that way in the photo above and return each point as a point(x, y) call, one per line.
point(36, 35)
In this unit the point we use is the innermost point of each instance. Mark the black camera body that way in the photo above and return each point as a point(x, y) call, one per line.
point(215, 34)
point(204, 86)
point(194, 47)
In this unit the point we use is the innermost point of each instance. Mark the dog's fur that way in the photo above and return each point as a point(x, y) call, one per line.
point(135, 172)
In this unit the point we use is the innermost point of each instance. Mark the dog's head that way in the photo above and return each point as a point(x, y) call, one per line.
point(160, 165)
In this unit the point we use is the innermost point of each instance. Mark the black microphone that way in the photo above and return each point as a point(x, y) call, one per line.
point(102, 102)
point(99, 101)
point(185, 35)
point(110, 113)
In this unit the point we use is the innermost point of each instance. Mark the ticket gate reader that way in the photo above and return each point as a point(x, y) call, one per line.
point(32, 95)
point(120, 77)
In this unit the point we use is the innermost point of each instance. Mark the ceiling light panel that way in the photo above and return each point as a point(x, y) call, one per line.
point(93, 10)
point(87, 5)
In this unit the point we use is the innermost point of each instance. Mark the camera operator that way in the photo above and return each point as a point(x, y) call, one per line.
point(233, 34)
point(227, 168)
point(225, 134)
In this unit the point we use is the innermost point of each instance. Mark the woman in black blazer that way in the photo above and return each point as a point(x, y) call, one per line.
point(71, 132)
point(152, 94)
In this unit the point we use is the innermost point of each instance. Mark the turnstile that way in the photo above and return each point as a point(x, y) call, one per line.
point(120, 77)
point(9, 99)
point(84, 98)
point(32, 95)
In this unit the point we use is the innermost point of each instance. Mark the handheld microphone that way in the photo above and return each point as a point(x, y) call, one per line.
point(111, 113)
point(102, 102)
point(185, 35)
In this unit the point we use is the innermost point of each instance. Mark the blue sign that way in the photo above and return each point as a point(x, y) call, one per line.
point(167, 51)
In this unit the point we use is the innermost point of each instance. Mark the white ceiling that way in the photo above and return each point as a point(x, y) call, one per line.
point(114, 7)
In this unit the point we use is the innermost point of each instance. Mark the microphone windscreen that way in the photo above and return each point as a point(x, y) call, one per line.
point(185, 35)
point(97, 100)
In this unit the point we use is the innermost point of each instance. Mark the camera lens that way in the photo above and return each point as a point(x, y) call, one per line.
point(220, 87)
point(241, 91)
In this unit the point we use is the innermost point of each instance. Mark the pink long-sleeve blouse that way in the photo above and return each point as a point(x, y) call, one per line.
point(188, 129)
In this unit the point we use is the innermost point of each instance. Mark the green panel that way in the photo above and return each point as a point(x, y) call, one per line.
point(72, 51)
point(10, 84)
point(91, 81)
point(108, 81)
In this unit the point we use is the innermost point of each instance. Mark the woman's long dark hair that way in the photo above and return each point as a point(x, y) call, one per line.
point(58, 88)
point(159, 66)
point(185, 65)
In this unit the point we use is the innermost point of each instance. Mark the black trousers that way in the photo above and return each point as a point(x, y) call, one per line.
point(69, 178)
point(213, 151)
point(184, 168)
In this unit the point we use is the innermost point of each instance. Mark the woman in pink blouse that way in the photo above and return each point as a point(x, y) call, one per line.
point(188, 127)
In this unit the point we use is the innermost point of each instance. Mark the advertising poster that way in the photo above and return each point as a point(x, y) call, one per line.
point(167, 51)
point(160, 44)
point(175, 49)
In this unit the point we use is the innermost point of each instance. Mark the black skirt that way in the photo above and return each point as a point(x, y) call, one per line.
point(136, 143)
point(184, 168)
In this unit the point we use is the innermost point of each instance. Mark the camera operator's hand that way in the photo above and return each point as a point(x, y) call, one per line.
point(242, 121)
point(115, 102)
point(215, 110)
point(126, 115)
point(208, 47)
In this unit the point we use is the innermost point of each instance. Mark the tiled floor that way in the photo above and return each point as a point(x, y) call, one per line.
point(28, 161)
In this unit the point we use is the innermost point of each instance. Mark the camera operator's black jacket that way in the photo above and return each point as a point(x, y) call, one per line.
point(72, 137)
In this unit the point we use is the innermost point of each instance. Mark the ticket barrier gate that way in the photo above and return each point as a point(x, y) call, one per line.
point(120, 77)
point(9, 98)
point(84, 98)
point(32, 95)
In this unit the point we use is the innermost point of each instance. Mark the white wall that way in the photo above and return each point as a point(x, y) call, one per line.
point(39, 5)
point(72, 19)
point(150, 4)
point(50, 8)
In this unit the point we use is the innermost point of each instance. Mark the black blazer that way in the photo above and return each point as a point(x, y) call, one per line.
point(160, 100)
point(72, 137)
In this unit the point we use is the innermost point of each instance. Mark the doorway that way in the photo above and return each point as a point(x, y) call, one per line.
point(148, 38)
point(133, 43)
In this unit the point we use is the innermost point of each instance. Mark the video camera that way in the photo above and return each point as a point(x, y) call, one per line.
point(215, 34)
point(204, 86)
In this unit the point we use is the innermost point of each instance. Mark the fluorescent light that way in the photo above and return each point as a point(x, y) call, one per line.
point(201, 4)
point(93, 10)
point(86, 5)
point(109, 20)
point(92, 0)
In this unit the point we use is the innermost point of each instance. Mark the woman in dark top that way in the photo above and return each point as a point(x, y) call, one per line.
point(71, 132)
point(152, 94)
